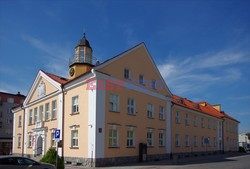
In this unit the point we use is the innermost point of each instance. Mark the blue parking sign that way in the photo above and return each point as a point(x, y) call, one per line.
point(57, 134)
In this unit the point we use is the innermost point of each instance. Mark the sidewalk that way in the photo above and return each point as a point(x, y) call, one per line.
point(176, 162)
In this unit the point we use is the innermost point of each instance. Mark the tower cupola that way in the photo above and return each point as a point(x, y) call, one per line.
point(82, 60)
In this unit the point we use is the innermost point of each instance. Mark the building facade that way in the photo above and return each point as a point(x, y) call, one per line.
point(7, 102)
point(109, 113)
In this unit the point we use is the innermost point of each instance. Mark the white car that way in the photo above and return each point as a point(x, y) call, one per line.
point(16, 162)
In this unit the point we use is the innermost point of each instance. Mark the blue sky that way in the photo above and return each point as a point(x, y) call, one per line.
point(202, 48)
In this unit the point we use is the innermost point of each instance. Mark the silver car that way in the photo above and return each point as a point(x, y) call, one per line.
point(16, 162)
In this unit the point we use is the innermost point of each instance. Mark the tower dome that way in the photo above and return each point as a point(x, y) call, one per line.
point(83, 42)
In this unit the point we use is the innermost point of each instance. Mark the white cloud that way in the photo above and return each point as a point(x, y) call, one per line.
point(239, 98)
point(199, 72)
point(56, 54)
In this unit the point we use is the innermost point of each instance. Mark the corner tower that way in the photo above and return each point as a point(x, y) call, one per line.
point(82, 60)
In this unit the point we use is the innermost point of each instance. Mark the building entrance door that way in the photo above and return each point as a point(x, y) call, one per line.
point(39, 146)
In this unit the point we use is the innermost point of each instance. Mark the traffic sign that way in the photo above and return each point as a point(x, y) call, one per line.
point(57, 134)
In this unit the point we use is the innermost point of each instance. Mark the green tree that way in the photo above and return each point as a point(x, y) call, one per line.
point(50, 157)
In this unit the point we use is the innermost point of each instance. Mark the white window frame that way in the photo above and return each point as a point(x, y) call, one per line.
point(177, 117)
point(130, 138)
point(75, 104)
point(113, 137)
point(53, 109)
point(141, 79)
point(150, 138)
point(47, 110)
point(150, 110)
point(131, 107)
point(74, 139)
point(30, 116)
point(19, 141)
point(127, 74)
point(41, 110)
point(53, 140)
point(187, 119)
point(35, 114)
point(161, 113)
point(161, 138)
point(30, 140)
point(114, 103)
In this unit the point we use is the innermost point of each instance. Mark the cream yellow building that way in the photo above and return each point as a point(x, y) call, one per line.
point(110, 113)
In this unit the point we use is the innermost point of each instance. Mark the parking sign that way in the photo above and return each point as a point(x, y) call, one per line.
point(57, 134)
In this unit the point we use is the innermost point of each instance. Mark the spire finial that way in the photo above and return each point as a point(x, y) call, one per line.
point(84, 34)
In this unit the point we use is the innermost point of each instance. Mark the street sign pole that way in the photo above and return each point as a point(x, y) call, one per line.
point(57, 137)
point(56, 153)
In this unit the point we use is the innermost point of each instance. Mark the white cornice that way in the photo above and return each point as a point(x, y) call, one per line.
point(40, 75)
point(42, 99)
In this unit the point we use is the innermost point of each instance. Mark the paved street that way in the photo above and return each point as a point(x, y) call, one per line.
point(239, 161)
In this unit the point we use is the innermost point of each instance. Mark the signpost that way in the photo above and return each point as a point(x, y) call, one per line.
point(57, 138)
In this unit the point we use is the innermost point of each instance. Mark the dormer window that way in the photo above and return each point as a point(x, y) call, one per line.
point(141, 79)
point(127, 73)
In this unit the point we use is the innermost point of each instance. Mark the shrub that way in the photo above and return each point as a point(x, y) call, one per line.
point(242, 150)
point(50, 157)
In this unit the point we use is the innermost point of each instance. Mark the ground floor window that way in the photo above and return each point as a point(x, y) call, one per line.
point(53, 142)
point(30, 141)
point(113, 137)
point(19, 141)
point(150, 137)
point(130, 138)
point(161, 138)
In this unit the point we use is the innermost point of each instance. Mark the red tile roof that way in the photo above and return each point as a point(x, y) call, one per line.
point(198, 106)
point(58, 79)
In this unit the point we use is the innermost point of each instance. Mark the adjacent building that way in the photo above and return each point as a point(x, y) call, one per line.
point(7, 102)
point(113, 112)
point(244, 141)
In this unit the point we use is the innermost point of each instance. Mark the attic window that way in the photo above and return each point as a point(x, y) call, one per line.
point(126, 73)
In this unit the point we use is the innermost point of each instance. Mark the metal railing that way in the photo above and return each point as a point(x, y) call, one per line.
point(82, 59)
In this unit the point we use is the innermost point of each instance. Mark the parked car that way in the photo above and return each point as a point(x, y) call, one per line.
point(16, 162)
